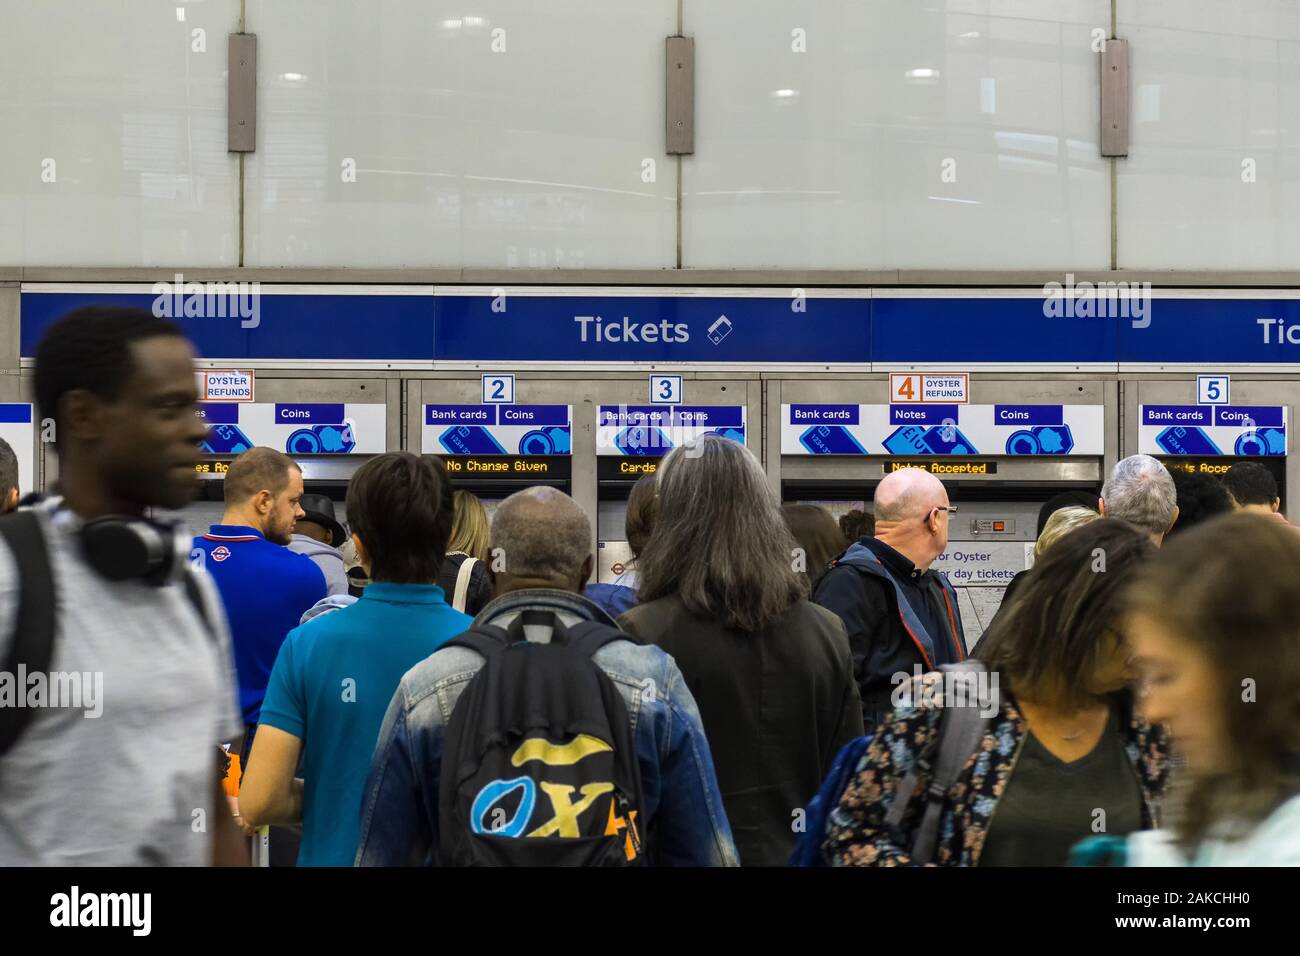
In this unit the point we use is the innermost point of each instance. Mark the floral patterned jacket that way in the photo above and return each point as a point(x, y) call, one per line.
point(856, 832)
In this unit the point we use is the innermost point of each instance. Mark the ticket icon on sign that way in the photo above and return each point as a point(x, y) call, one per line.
point(720, 329)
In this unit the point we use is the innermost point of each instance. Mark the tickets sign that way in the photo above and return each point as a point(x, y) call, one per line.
point(928, 430)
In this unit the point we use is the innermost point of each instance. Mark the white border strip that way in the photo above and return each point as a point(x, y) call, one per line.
point(647, 292)
point(265, 288)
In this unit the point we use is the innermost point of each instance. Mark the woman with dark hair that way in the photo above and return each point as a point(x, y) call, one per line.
point(771, 671)
point(1064, 751)
point(1215, 625)
point(815, 530)
point(855, 525)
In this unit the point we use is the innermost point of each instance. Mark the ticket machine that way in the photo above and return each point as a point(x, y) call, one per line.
point(591, 434)
point(1017, 443)
point(1210, 437)
point(329, 424)
point(631, 440)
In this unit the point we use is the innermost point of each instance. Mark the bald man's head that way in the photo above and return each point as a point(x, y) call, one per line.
point(908, 494)
point(544, 539)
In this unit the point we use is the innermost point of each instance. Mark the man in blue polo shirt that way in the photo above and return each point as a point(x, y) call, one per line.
point(336, 674)
point(264, 586)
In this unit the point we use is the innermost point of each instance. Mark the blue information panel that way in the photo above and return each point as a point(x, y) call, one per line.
point(638, 430)
point(497, 430)
point(651, 329)
point(1256, 431)
point(959, 332)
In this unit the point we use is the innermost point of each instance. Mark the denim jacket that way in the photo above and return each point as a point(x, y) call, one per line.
point(687, 823)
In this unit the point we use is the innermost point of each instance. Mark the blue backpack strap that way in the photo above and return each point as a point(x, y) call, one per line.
point(950, 594)
point(915, 629)
point(34, 620)
point(808, 849)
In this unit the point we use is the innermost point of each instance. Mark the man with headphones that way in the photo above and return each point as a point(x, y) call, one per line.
point(98, 595)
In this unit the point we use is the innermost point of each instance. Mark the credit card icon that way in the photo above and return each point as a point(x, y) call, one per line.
point(470, 440)
point(831, 440)
point(642, 440)
point(1186, 440)
point(720, 329)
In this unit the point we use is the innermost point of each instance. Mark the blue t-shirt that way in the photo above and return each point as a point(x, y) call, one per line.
point(264, 588)
point(331, 687)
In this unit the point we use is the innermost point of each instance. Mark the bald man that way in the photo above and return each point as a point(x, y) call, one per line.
point(898, 612)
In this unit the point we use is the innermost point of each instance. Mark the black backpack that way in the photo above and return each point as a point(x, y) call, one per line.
point(539, 765)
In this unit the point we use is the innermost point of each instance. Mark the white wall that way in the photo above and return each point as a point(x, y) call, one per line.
point(1214, 84)
point(134, 124)
point(527, 156)
point(534, 156)
point(834, 157)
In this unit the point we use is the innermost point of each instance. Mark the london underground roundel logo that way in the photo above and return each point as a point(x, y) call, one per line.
point(220, 553)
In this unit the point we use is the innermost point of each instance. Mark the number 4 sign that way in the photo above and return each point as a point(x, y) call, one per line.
point(904, 388)
point(923, 387)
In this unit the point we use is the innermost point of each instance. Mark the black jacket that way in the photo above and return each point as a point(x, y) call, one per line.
point(777, 705)
point(881, 644)
point(480, 584)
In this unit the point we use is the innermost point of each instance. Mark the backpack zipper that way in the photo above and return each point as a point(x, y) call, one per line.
point(625, 807)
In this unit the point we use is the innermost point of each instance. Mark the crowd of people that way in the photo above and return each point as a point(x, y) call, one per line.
point(465, 696)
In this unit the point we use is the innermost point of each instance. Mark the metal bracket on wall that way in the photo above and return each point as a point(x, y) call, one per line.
point(679, 85)
point(241, 90)
point(1114, 98)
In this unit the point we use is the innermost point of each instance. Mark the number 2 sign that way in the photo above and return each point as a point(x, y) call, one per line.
point(498, 389)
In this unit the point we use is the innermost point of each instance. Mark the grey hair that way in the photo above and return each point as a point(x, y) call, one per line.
point(1141, 491)
point(542, 533)
point(719, 542)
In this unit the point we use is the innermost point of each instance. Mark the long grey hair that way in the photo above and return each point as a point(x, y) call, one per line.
point(719, 542)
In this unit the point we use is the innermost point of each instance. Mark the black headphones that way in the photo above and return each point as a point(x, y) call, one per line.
point(123, 549)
